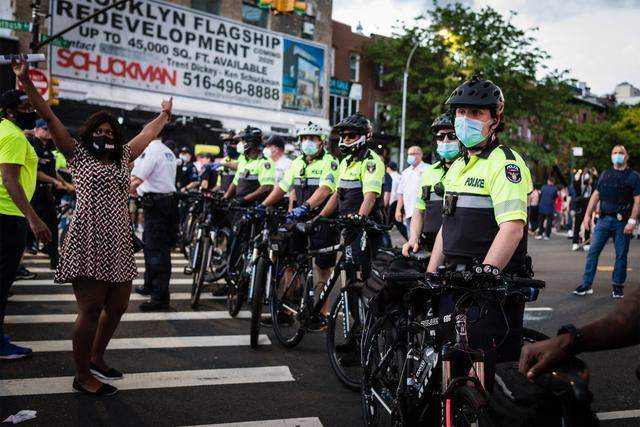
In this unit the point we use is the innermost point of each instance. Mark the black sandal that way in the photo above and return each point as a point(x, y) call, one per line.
point(104, 390)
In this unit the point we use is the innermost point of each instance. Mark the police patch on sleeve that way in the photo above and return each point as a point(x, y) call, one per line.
point(371, 167)
point(267, 165)
point(513, 173)
point(330, 178)
point(334, 166)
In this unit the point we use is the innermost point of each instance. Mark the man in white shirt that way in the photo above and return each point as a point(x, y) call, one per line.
point(154, 178)
point(410, 186)
point(274, 150)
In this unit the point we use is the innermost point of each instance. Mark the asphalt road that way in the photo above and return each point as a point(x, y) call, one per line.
point(212, 376)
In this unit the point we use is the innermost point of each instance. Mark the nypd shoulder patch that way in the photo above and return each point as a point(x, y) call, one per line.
point(267, 165)
point(513, 173)
point(371, 167)
point(334, 165)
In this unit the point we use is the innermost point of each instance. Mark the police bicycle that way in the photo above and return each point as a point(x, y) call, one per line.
point(408, 368)
point(208, 256)
point(190, 201)
point(295, 310)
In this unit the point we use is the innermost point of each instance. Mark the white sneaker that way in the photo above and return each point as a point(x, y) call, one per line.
point(575, 247)
point(586, 248)
point(546, 238)
point(538, 237)
point(570, 233)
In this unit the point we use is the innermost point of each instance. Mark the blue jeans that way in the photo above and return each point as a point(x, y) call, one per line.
point(608, 227)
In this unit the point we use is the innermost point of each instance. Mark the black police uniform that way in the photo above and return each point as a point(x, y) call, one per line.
point(43, 201)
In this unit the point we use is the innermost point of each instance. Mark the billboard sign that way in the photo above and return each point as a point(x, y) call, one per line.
point(151, 45)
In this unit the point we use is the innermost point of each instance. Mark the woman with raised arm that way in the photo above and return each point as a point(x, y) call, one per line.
point(97, 254)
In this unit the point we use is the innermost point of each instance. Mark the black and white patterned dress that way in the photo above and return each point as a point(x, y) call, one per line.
point(98, 243)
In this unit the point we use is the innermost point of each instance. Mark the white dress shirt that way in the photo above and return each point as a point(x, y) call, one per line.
point(282, 165)
point(409, 187)
point(156, 167)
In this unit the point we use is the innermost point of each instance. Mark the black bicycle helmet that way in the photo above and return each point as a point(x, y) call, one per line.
point(251, 136)
point(229, 137)
point(478, 92)
point(443, 121)
point(356, 122)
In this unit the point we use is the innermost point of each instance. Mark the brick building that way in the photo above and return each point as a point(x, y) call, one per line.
point(305, 62)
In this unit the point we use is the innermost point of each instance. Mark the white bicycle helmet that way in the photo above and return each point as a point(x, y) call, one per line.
point(312, 129)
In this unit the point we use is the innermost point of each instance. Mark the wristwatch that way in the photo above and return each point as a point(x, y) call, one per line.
point(576, 337)
point(632, 221)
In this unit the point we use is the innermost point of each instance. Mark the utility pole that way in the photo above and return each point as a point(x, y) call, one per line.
point(35, 26)
point(404, 104)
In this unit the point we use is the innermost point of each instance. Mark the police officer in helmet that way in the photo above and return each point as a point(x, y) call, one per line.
point(484, 215)
point(427, 218)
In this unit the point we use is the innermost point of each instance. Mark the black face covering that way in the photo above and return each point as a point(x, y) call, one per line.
point(100, 145)
point(231, 151)
point(26, 120)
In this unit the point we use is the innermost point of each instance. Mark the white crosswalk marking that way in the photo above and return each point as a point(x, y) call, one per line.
point(150, 380)
point(129, 317)
point(136, 282)
point(289, 422)
point(140, 270)
point(139, 261)
point(175, 296)
point(155, 342)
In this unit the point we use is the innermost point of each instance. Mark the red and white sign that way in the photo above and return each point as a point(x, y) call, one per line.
point(40, 80)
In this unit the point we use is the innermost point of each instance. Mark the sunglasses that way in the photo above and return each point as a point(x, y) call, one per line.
point(450, 135)
point(350, 135)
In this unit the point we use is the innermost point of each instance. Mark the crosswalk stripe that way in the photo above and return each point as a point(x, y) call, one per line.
point(538, 309)
point(618, 415)
point(288, 422)
point(49, 282)
point(139, 261)
point(129, 317)
point(154, 342)
point(152, 380)
point(140, 269)
point(27, 256)
point(175, 296)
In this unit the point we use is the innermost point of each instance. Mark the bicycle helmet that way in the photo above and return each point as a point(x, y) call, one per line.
point(229, 137)
point(251, 136)
point(358, 124)
point(478, 92)
point(443, 121)
point(312, 129)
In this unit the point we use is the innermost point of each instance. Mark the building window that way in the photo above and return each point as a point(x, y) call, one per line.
point(254, 15)
point(341, 107)
point(354, 67)
point(379, 74)
point(210, 6)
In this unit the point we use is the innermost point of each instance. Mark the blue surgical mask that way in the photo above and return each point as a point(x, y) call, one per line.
point(617, 159)
point(448, 150)
point(469, 131)
point(309, 147)
point(411, 160)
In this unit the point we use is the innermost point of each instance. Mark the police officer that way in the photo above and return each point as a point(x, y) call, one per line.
point(153, 178)
point(312, 177)
point(427, 218)
point(229, 163)
point(48, 180)
point(187, 172)
point(359, 187)
point(484, 215)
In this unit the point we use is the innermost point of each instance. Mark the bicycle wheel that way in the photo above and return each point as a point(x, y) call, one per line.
point(237, 286)
point(287, 303)
point(343, 347)
point(259, 283)
point(382, 375)
point(219, 254)
point(204, 253)
point(468, 408)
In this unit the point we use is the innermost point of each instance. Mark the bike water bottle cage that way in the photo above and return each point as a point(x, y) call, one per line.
point(449, 206)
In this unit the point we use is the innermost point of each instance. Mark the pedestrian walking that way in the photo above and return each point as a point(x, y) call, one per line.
point(153, 179)
point(97, 253)
point(409, 187)
point(534, 201)
point(546, 209)
point(18, 169)
point(582, 190)
point(618, 192)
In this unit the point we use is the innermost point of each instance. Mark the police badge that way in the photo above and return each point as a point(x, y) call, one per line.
point(267, 165)
point(513, 173)
point(371, 167)
point(334, 166)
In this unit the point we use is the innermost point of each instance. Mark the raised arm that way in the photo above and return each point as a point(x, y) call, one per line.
point(151, 130)
point(61, 137)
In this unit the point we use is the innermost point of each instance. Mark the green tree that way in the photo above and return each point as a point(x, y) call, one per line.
point(456, 42)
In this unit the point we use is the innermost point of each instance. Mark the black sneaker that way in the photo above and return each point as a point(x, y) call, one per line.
point(350, 359)
point(24, 274)
point(108, 374)
point(347, 347)
point(283, 318)
point(317, 324)
point(155, 306)
point(583, 290)
point(617, 292)
point(220, 291)
point(142, 291)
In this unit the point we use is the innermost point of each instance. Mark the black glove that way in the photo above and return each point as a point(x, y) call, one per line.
point(487, 273)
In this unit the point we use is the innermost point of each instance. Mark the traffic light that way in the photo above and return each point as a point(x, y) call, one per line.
point(53, 92)
point(284, 6)
point(300, 7)
point(267, 4)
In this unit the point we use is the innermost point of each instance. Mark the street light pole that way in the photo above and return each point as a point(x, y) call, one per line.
point(404, 105)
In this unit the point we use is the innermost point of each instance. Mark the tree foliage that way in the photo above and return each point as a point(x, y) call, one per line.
point(456, 42)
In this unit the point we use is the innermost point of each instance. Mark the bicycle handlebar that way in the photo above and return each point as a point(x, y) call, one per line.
point(348, 221)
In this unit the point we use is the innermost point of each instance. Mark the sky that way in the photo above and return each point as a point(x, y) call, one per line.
point(598, 41)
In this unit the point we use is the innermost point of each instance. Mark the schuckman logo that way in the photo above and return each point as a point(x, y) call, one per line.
point(117, 67)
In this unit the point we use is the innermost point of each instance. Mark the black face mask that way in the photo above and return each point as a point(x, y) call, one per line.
point(100, 145)
point(231, 151)
point(26, 120)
